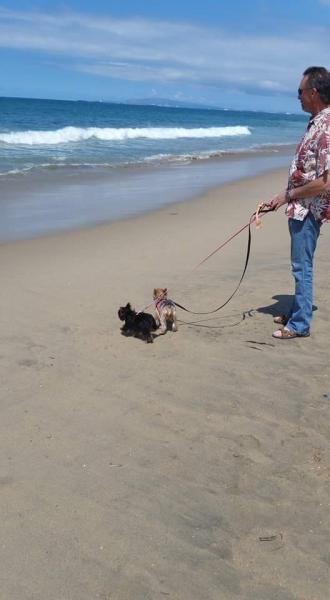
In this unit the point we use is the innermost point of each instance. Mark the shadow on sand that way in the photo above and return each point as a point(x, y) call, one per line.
point(281, 306)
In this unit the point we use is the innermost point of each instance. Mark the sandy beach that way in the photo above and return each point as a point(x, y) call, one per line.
point(194, 468)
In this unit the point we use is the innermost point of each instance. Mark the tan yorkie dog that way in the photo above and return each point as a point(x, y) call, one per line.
point(165, 313)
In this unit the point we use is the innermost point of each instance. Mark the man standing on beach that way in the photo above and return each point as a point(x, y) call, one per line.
point(308, 198)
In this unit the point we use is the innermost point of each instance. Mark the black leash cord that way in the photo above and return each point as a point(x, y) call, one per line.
point(248, 250)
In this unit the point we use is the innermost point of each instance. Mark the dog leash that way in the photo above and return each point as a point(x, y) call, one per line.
point(153, 303)
point(255, 216)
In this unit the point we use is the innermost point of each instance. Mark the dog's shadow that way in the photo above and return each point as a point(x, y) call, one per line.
point(139, 336)
point(154, 335)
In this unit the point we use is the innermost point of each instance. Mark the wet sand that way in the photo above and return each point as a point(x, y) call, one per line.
point(193, 468)
point(45, 201)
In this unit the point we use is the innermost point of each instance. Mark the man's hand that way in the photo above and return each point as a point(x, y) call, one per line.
point(276, 202)
point(279, 200)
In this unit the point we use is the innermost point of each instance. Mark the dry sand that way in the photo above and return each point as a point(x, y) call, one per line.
point(194, 468)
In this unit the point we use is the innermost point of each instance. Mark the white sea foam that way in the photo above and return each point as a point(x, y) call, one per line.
point(77, 134)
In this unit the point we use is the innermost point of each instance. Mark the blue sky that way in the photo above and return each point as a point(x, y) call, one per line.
point(232, 54)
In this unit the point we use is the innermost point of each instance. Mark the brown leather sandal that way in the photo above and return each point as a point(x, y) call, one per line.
point(286, 334)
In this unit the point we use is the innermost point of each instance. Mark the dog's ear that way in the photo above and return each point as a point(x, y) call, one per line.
point(128, 306)
point(155, 293)
point(165, 291)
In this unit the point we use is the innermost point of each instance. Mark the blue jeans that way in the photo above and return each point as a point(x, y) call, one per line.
point(304, 235)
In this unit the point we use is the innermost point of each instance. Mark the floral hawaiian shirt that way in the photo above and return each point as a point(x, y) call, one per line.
point(311, 160)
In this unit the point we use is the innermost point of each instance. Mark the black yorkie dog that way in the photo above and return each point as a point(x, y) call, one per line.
point(137, 324)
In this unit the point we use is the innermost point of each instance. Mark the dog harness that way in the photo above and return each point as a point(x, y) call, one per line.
point(160, 304)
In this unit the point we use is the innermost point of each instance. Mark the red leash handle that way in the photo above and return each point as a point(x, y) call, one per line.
point(248, 225)
point(261, 213)
point(221, 246)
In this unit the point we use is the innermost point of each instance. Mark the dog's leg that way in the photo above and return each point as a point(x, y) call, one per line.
point(145, 334)
point(163, 324)
point(174, 323)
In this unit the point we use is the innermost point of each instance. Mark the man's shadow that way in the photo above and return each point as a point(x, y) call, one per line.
point(281, 306)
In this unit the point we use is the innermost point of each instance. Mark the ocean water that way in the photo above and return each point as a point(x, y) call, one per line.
point(65, 165)
point(48, 134)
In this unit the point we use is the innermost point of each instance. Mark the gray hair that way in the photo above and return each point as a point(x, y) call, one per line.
point(319, 79)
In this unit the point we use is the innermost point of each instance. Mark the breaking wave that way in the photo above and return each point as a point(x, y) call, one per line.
point(77, 134)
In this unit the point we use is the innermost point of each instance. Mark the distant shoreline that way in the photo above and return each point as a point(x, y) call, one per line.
point(158, 102)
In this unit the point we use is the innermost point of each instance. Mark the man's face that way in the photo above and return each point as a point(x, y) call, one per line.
point(306, 95)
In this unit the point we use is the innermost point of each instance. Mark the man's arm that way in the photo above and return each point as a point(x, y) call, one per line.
point(310, 189)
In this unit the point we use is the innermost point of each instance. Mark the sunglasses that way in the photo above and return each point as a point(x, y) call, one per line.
point(300, 90)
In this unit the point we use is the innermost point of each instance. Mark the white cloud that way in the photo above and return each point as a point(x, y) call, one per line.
point(167, 52)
